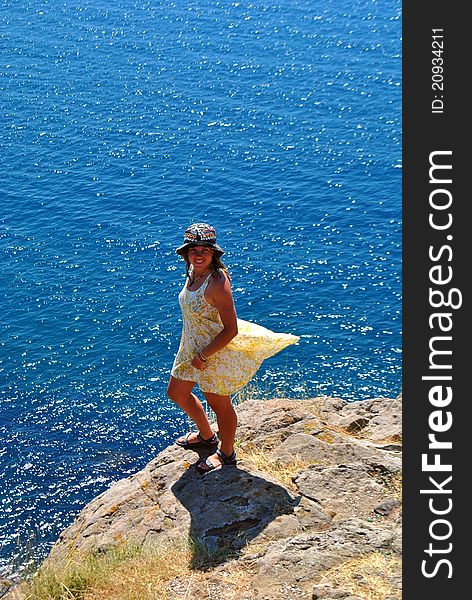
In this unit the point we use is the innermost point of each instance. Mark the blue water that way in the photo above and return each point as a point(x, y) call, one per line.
point(123, 122)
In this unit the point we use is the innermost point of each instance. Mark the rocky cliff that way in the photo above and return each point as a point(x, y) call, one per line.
point(311, 511)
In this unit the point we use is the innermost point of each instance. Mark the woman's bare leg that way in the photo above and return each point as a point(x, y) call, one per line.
point(227, 423)
point(180, 392)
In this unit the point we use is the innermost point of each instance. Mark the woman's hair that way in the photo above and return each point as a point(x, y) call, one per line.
point(216, 265)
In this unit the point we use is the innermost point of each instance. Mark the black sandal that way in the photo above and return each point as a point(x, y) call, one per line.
point(205, 465)
point(210, 443)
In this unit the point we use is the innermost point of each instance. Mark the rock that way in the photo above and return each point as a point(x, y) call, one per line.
point(338, 456)
point(378, 419)
point(302, 560)
point(331, 448)
point(5, 585)
point(165, 499)
point(387, 507)
point(390, 447)
point(328, 592)
point(278, 420)
point(354, 423)
point(12, 590)
point(346, 490)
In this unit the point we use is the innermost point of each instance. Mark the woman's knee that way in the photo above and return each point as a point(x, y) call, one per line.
point(177, 396)
point(177, 391)
point(219, 404)
point(171, 392)
point(180, 392)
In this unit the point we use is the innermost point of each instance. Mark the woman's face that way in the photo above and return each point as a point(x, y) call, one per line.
point(200, 257)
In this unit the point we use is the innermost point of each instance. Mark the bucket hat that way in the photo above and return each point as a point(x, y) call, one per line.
point(200, 234)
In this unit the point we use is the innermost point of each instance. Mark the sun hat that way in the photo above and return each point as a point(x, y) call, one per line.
point(200, 234)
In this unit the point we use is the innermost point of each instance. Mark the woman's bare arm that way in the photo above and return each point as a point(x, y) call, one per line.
point(219, 295)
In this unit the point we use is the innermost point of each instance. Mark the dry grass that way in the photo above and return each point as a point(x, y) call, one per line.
point(392, 482)
point(262, 460)
point(125, 572)
point(254, 390)
point(391, 439)
point(371, 577)
point(395, 485)
point(144, 576)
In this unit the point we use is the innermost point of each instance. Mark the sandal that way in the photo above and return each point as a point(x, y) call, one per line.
point(210, 443)
point(205, 465)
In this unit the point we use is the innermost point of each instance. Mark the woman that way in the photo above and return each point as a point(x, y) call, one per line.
point(218, 351)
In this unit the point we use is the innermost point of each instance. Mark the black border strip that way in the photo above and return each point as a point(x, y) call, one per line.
point(427, 245)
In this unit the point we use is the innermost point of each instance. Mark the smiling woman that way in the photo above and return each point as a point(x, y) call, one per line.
point(217, 351)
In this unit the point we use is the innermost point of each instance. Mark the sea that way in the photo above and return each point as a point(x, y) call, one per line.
point(121, 123)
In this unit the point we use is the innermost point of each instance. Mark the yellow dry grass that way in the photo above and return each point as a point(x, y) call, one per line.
point(130, 572)
point(374, 576)
point(262, 460)
point(143, 577)
point(127, 571)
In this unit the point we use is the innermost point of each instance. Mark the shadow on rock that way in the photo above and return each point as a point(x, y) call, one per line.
point(228, 508)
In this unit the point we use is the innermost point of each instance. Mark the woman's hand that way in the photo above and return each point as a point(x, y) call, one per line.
point(198, 363)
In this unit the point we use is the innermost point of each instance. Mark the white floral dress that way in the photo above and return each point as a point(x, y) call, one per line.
point(235, 364)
